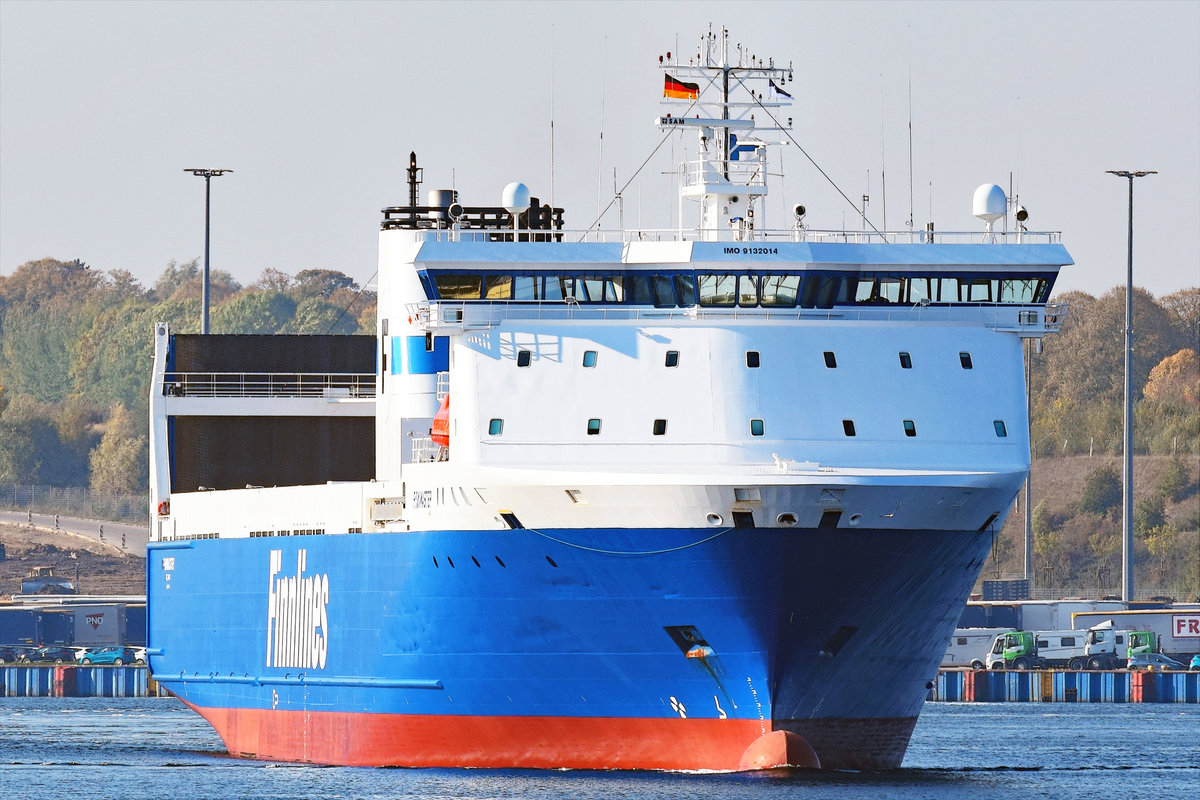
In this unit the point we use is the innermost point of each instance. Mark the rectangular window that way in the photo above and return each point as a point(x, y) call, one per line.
point(523, 357)
point(593, 427)
point(848, 426)
point(685, 287)
point(756, 427)
point(905, 361)
point(919, 290)
point(1068, 641)
point(589, 358)
point(752, 358)
point(457, 287)
point(965, 360)
point(495, 427)
point(747, 291)
point(497, 287)
point(1001, 431)
point(660, 427)
point(672, 359)
point(830, 359)
point(780, 291)
point(717, 290)
point(910, 428)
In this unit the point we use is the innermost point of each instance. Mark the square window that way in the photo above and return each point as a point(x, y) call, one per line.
point(593, 427)
point(910, 428)
point(848, 426)
point(660, 427)
point(495, 427)
point(523, 358)
point(589, 358)
point(905, 361)
point(965, 360)
point(756, 427)
point(752, 358)
point(1001, 431)
point(672, 358)
point(830, 359)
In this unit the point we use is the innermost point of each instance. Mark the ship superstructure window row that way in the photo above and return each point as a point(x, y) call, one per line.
point(737, 288)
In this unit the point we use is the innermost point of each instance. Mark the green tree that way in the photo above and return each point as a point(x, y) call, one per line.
point(1176, 481)
point(1101, 493)
point(254, 312)
point(323, 283)
point(315, 316)
point(1149, 513)
point(119, 463)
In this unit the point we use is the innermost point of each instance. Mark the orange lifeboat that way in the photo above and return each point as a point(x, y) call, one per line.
point(440, 432)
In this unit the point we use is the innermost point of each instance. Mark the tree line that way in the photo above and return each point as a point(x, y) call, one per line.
point(76, 349)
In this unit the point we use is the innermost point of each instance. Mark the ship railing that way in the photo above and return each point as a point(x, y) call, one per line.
point(460, 316)
point(339, 385)
point(775, 235)
point(738, 174)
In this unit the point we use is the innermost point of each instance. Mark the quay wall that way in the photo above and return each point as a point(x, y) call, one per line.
point(77, 681)
point(1064, 686)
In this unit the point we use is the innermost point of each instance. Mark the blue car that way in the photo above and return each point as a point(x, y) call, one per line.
point(1195, 665)
point(116, 656)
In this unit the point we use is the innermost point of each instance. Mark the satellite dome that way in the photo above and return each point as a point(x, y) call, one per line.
point(515, 198)
point(990, 203)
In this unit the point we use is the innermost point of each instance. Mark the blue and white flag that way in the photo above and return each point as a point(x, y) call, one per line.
point(773, 91)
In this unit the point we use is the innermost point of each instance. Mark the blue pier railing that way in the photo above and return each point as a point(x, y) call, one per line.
point(1054, 686)
point(77, 681)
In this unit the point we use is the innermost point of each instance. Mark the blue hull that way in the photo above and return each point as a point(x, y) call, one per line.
point(831, 634)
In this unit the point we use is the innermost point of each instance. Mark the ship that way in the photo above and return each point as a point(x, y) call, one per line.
point(704, 498)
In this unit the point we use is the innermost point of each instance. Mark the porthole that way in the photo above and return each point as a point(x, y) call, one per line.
point(756, 427)
point(910, 428)
point(589, 358)
point(523, 357)
point(905, 361)
point(495, 427)
point(787, 519)
point(1001, 430)
point(752, 359)
point(848, 427)
point(593, 427)
point(830, 359)
point(715, 519)
point(672, 359)
point(965, 360)
point(660, 427)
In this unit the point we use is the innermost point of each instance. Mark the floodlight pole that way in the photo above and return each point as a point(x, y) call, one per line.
point(206, 174)
point(1127, 495)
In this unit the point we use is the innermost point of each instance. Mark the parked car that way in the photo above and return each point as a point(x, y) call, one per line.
point(108, 655)
point(1195, 663)
point(50, 654)
point(11, 655)
point(1154, 661)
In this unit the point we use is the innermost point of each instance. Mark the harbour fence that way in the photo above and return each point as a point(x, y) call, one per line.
point(75, 501)
point(78, 681)
point(1064, 686)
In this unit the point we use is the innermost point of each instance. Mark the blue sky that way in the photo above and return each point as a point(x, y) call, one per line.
point(315, 106)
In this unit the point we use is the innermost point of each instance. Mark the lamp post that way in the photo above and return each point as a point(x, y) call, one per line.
point(206, 174)
point(1127, 496)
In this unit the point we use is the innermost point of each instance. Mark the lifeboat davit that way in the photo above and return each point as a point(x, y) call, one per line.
point(440, 432)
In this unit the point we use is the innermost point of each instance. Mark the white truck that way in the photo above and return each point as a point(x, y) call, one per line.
point(969, 647)
point(1101, 647)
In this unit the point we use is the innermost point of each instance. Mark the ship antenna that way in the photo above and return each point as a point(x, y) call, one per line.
point(600, 162)
point(552, 118)
point(414, 180)
point(882, 156)
point(910, 137)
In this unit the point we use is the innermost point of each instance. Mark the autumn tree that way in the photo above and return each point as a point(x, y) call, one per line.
point(118, 464)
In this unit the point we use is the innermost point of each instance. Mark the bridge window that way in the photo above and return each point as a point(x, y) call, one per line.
point(685, 288)
point(780, 291)
point(717, 290)
point(747, 291)
point(756, 427)
point(919, 289)
point(593, 427)
point(497, 287)
point(454, 286)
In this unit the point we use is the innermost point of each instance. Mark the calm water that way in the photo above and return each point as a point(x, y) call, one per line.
point(98, 747)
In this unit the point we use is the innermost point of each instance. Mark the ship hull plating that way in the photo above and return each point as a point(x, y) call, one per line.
point(616, 648)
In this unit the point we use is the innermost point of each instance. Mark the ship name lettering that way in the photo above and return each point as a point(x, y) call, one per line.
point(297, 615)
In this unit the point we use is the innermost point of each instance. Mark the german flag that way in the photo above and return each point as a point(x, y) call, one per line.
point(679, 89)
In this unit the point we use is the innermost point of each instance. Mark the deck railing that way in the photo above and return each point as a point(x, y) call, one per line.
point(269, 384)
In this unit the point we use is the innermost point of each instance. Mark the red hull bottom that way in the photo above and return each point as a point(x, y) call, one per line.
point(555, 742)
